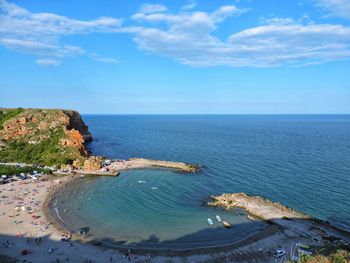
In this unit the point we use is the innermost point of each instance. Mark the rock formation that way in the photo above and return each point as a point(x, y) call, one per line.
point(42, 136)
point(94, 163)
point(255, 205)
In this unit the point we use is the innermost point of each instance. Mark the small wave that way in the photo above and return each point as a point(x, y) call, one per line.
point(58, 215)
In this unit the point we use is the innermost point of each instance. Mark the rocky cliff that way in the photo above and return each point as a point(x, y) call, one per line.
point(42, 136)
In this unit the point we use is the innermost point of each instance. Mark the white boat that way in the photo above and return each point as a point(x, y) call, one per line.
point(251, 218)
point(141, 182)
point(210, 222)
point(226, 224)
point(218, 218)
point(154, 188)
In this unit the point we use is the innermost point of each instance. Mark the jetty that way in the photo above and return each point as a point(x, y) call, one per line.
point(140, 163)
point(256, 206)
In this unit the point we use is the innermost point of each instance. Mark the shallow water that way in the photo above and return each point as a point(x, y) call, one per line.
point(148, 209)
point(300, 161)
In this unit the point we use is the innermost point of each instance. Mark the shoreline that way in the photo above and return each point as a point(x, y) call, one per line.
point(115, 166)
point(41, 192)
point(62, 226)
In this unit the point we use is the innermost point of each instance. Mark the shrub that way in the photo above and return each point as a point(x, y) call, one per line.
point(8, 114)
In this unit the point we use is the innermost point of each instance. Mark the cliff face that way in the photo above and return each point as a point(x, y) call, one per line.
point(42, 136)
point(76, 123)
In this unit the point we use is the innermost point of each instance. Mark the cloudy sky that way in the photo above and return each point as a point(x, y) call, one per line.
point(185, 56)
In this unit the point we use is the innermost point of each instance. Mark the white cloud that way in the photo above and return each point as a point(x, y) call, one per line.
point(191, 5)
point(106, 60)
point(48, 62)
point(152, 8)
point(339, 8)
point(188, 37)
point(40, 47)
point(278, 21)
point(41, 33)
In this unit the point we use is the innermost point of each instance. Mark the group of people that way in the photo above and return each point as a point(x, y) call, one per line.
point(7, 244)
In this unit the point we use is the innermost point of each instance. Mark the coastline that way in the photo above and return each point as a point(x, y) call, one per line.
point(115, 166)
point(21, 236)
point(265, 239)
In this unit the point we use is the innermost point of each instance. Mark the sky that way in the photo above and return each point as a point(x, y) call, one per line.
point(176, 57)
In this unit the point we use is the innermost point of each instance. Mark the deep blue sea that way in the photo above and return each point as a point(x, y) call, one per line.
point(302, 161)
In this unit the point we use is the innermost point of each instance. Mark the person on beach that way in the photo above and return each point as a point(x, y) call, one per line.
point(129, 255)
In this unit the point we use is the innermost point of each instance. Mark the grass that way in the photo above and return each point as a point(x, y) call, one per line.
point(340, 256)
point(8, 114)
point(47, 152)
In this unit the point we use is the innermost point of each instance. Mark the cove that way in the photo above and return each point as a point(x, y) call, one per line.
point(154, 209)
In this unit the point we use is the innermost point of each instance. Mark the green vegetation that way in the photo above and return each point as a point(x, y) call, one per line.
point(341, 256)
point(12, 170)
point(8, 114)
point(40, 136)
point(47, 152)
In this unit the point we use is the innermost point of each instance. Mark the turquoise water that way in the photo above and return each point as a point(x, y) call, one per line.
point(148, 209)
point(300, 161)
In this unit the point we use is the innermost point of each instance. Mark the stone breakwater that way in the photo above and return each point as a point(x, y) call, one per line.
point(294, 225)
point(139, 163)
point(97, 165)
point(256, 206)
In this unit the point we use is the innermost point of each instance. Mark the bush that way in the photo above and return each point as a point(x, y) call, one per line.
point(47, 152)
point(8, 114)
point(341, 256)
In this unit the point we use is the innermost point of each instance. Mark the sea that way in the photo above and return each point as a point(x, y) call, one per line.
point(302, 161)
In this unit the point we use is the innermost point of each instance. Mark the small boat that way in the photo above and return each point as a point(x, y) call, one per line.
point(218, 218)
point(226, 224)
point(141, 182)
point(251, 218)
point(210, 222)
point(154, 188)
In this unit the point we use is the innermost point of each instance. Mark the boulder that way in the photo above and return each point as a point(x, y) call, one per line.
point(77, 164)
point(94, 163)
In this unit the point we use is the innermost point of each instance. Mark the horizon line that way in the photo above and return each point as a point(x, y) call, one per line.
point(214, 114)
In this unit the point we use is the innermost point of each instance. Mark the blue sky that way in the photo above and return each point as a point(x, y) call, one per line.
point(184, 56)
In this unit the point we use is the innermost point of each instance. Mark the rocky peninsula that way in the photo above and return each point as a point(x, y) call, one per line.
point(57, 138)
point(292, 225)
point(256, 206)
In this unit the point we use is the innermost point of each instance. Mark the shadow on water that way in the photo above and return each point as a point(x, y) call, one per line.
point(109, 248)
point(197, 241)
point(19, 246)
